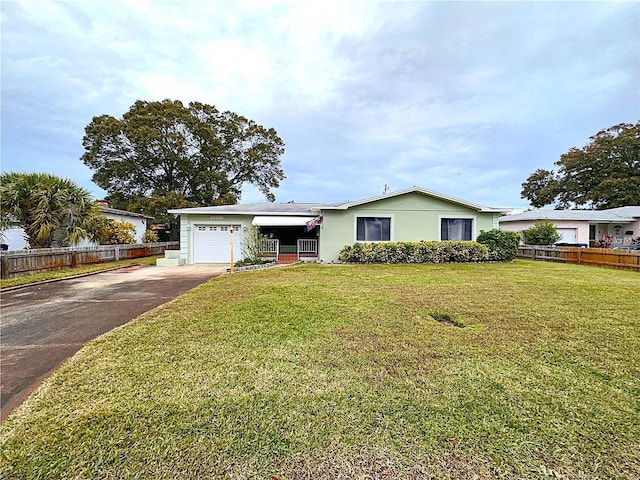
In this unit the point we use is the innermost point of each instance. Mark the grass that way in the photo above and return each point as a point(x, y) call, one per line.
point(335, 372)
point(70, 272)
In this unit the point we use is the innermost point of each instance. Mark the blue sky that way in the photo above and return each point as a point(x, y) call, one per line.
point(464, 98)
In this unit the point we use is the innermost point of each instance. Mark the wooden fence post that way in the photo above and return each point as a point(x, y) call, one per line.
point(4, 267)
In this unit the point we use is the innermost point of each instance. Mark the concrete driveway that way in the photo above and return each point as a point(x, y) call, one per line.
point(43, 325)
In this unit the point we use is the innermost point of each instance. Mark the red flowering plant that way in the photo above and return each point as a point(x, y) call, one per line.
point(606, 241)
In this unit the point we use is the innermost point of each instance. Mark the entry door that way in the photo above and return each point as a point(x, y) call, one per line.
point(212, 243)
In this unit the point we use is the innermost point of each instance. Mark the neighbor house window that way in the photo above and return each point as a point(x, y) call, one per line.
point(456, 228)
point(373, 229)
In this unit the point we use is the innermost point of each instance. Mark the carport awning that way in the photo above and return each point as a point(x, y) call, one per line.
point(282, 221)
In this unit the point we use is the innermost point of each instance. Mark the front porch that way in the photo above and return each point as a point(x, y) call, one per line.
point(622, 233)
point(288, 239)
point(304, 250)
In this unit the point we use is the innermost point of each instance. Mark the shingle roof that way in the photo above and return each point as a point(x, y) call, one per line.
point(423, 191)
point(620, 214)
point(630, 211)
point(116, 211)
point(314, 208)
point(254, 209)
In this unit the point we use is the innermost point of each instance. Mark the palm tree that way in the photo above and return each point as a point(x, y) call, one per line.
point(50, 209)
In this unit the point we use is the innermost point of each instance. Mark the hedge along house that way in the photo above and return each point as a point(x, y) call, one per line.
point(582, 227)
point(318, 232)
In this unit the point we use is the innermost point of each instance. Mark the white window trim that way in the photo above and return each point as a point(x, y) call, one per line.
point(373, 215)
point(474, 225)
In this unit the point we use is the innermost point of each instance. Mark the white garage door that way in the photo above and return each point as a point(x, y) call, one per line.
point(567, 235)
point(212, 243)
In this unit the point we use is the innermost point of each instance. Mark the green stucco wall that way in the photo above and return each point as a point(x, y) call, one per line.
point(415, 217)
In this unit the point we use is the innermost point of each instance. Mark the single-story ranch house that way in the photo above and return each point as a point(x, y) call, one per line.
point(582, 227)
point(312, 231)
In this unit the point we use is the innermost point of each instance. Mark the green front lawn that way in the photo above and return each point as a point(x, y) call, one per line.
point(327, 372)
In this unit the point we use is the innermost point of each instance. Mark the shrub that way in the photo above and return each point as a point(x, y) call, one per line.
point(247, 262)
point(116, 232)
point(606, 241)
point(414, 252)
point(502, 244)
point(543, 232)
point(252, 247)
point(150, 237)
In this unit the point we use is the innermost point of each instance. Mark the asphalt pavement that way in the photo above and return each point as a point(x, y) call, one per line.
point(43, 325)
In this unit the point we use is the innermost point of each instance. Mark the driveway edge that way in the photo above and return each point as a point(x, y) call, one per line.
point(80, 275)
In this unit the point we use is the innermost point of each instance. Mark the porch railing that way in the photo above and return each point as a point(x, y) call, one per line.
point(307, 247)
point(270, 247)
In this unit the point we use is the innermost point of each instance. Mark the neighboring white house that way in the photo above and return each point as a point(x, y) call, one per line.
point(15, 239)
point(582, 227)
point(138, 220)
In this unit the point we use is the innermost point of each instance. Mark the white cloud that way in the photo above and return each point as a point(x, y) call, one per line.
point(468, 98)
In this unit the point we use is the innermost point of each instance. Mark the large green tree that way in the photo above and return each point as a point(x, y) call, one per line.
point(605, 173)
point(53, 211)
point(180, 155)
point(155, 206)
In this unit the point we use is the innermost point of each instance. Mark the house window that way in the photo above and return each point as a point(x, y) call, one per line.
point(373, 229)
point(456, 228)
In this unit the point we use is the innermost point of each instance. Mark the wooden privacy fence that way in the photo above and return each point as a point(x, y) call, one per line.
point(628, 259)
point(22, 262)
